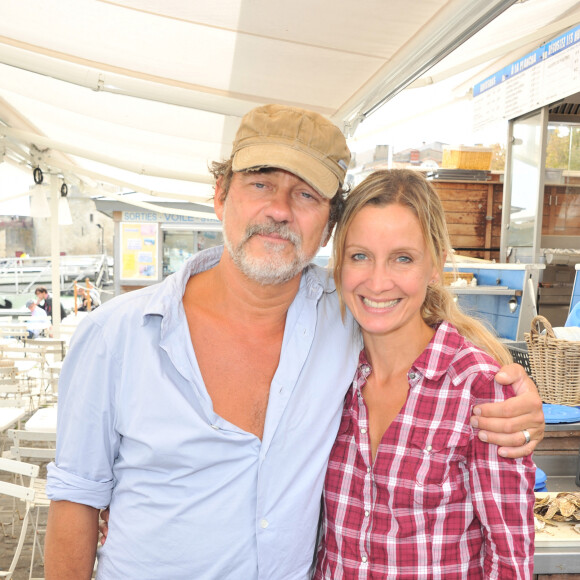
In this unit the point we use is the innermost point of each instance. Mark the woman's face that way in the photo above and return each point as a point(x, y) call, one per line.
point(386, 269)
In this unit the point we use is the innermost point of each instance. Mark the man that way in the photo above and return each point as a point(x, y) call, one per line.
point(202, 410)
point(38, 320)
point(44, 300)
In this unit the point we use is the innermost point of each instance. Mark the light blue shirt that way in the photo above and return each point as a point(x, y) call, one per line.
point(193, 496)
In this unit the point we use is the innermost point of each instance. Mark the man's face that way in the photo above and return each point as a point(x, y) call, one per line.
point(274, 224)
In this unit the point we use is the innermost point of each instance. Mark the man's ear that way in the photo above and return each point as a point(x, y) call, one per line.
point(219, 199)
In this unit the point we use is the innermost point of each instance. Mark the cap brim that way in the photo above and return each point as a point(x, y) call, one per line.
point(308, 168)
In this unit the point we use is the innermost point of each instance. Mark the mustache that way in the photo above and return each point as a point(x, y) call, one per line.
point(273, 228)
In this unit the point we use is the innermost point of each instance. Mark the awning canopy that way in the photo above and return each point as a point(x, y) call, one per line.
point(143, 94)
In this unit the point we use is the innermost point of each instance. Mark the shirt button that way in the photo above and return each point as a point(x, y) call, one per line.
point(412, 375)
point(428, 448)
point(264, 524)
point(363, 430)
point(364, 558)
point(368, 469)
point(215, 427)
point(367, 513)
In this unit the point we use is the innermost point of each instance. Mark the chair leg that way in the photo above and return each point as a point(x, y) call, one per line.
point(18, 546)
point(36, 543)
point(35, 526)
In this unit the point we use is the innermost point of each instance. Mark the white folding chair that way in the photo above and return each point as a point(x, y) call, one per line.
point(34, 446)
point(24, 493)
point(26, 368)
point(39, 446)
point(12, 411)
point(16, 393)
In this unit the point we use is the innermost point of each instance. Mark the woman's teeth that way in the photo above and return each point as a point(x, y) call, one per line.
point(373, 304)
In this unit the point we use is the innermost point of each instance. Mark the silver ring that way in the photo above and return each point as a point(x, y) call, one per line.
point(527, 436)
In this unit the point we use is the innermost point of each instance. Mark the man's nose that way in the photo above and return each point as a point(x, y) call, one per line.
point(280, 205)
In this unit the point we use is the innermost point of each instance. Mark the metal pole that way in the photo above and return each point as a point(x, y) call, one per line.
point(55, 253)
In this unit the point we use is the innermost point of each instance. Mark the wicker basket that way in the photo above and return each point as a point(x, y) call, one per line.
point(555, 364)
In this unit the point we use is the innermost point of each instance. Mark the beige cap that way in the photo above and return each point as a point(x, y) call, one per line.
point(300, 141)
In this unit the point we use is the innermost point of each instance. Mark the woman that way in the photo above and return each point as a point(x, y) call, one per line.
point(410, 491)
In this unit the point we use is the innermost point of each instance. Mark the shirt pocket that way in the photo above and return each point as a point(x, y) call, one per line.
point(439, 464)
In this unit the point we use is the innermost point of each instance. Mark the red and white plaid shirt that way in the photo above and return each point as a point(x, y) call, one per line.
point(437, 502)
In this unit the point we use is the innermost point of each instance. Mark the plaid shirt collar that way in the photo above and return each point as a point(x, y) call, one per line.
point(432, 363)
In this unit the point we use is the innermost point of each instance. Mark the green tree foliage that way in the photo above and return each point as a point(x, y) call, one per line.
point(557, 148)
point(563, 147)
point(575, 149)
point(498, 157)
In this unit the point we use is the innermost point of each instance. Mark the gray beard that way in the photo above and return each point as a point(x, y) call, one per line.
point(273, 268)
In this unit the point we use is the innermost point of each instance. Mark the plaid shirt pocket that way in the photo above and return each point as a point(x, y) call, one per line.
point(438, 468)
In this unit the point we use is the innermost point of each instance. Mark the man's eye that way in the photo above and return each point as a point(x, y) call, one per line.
point(259, 185)
point(307, 195)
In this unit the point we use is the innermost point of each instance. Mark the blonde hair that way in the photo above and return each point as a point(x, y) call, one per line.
point(410, 189)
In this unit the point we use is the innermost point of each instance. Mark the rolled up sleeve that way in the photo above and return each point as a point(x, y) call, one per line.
point(63, 485)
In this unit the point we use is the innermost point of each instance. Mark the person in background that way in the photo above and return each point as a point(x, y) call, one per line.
point(410, 491)
point(202, 409)
point(95, 299)
point(44, 300)
point(38, 320)
point(5, 302)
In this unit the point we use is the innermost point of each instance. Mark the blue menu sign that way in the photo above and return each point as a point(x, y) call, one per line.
point(539, 78)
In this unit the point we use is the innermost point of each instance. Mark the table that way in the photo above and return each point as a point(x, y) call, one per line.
point(9, 416)
point(42, 420)
point(24, 365)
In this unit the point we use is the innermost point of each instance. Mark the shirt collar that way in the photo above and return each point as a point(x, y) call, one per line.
point(432, 363)
point(436, 359)
point(166, 298)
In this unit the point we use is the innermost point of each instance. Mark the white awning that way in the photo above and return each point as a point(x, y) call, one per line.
point(144, 94)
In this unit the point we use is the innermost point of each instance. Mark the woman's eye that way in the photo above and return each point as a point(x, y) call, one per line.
point(404, 259)
point(358, 257)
